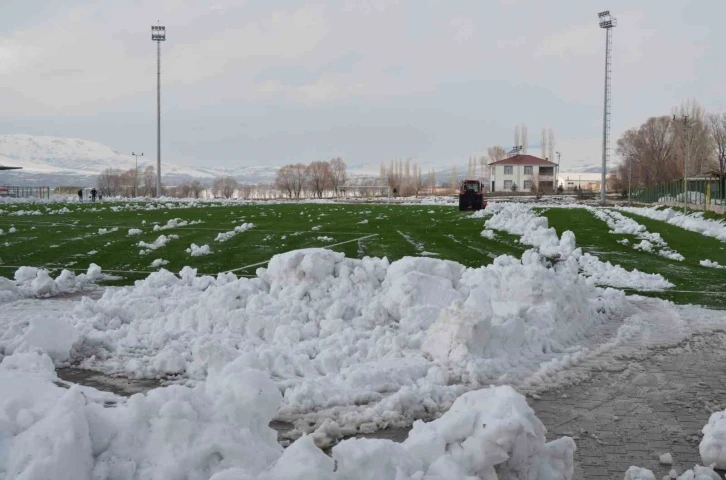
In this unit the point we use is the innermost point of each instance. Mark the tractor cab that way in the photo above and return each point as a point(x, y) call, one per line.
point(471, 195)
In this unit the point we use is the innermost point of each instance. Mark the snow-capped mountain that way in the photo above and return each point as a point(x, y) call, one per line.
point(57, 161)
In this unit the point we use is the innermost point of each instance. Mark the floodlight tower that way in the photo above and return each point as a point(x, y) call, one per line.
point(136, 173)
point(158, 35)
point(607, 22)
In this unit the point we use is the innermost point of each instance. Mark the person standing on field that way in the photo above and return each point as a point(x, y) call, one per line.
point(93, 194)
point(80, 195)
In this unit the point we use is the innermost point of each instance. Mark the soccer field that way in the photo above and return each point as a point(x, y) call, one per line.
point(131, 240)
point(99, 233)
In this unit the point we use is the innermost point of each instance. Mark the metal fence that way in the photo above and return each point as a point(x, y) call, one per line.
point(24, 192)
point(698, 192)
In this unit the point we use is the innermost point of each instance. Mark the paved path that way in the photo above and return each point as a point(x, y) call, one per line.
point(654, 405)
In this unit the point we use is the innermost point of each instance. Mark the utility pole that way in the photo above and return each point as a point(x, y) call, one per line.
point(608, 23)
point(136, 173)
point(630, 180)
point(686, 127)
point(555, 185)
point(158, 35)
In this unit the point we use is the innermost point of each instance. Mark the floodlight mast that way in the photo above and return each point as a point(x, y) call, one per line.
point(607, 22)
point(158, 35)
point(136, 173)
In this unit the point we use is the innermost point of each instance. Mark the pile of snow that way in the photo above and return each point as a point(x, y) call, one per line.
point(134, 231)
point(196, 251)
point(399, 339)
point(157, 244)
point(219, 430)
point(33, 282)
point(713, 445)
point(693, 222)
point(326, 239)
point(159, 262)
point(711, 264)
point(620, 224)
point(224, 236)
point(487, 233)
point(104, 231)
point(533, 229)
point(175, 223)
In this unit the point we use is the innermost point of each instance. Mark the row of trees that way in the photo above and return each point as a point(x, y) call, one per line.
point(316, 179)
point(655, 151)
point(405, 179)
point(114, 182)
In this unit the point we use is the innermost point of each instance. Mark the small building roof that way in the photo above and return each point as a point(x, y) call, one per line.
point(524, 160)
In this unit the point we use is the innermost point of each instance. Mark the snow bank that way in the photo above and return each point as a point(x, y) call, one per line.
point(693, 222)
point(104, 231)
point(219, 430)
point(224, 236)
point(713, 445)
point(711, 264)
point(31, 282)
point(533, 229)
point(134, 231)
point(196, 251)
point(337, 332)
point(620, 224)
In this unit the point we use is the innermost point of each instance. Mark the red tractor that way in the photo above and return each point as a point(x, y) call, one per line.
point(471, 195)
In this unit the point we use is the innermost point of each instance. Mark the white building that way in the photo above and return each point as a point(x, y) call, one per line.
point(520, 172)
point(582, 181)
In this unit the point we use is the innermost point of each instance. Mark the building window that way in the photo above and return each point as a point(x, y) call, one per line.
point(528, 170)
point(508, 171)
point(527, 183)
point(547, 171)
point(507, 183)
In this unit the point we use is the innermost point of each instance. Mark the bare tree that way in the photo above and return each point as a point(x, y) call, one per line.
point(149, 180)
point(299, 178)
point(285, 181)
point(496, 153)
point(196, 188)
point(318, 174)
point(701, 155)
point(224, 187)
point(338, 174)
point(650, 150)
point(417, 181)
point(109, 182)
point(483, 166)
point(717, 129)
point(536, 187)
point(432, 181)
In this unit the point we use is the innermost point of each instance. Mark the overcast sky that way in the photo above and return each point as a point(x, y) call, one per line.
point(273, 81)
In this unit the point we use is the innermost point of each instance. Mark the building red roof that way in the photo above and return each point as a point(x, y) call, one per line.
point(523, 160)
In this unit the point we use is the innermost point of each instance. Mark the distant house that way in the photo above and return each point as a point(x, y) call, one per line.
point(520, 172)
point(580, 181)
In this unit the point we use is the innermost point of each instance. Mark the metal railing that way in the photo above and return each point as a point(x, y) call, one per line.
point(24, 192)
point(697, 192)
